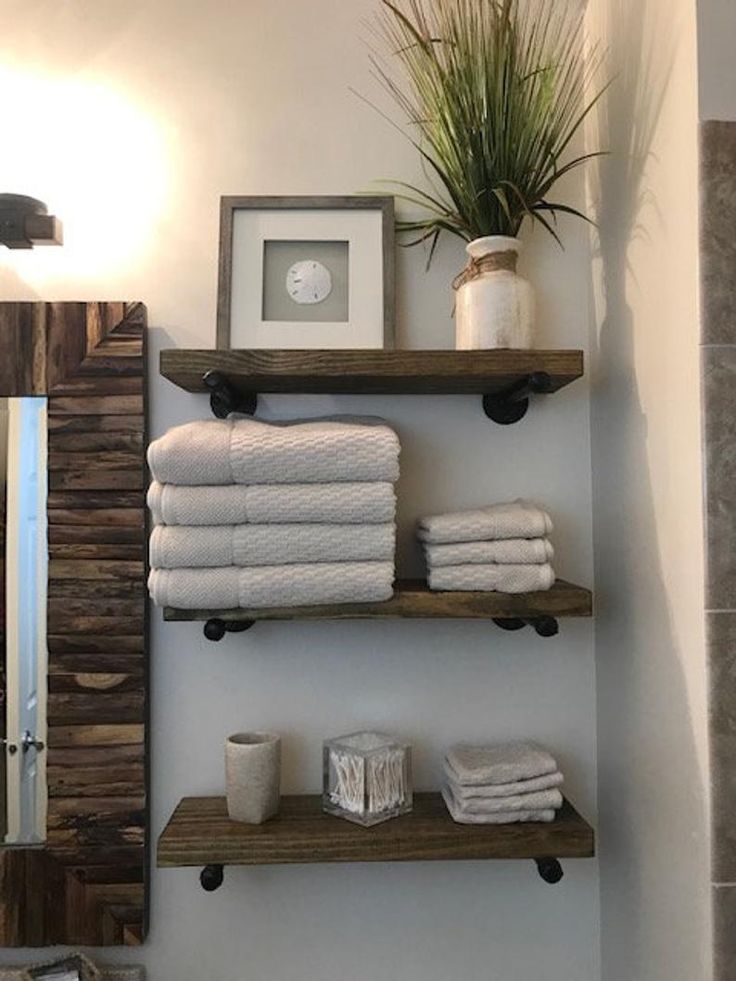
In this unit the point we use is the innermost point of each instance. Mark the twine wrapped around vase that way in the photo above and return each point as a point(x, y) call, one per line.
point(493, 262)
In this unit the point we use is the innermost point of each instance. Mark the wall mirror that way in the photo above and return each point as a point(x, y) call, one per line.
point(73, 654)
point(24, 654)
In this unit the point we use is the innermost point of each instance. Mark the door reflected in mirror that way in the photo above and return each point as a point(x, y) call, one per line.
point(23, 655)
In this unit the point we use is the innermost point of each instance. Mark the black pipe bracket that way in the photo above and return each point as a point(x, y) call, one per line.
point(511, 404)
point(211, 877)
point(225, 398)
point(549, 869)
point(215, 629)
point(544, 626)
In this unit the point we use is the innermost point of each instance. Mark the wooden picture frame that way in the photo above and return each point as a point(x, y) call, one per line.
point(88, 883)
point(231, 205)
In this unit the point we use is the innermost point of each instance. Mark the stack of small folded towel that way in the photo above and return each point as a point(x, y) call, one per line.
point(502, 548)
point(501, 784)
point(257, 514)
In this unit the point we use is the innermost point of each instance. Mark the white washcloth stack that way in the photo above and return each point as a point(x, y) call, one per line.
point(501, 784)
point(252, 514)
point(501, 548)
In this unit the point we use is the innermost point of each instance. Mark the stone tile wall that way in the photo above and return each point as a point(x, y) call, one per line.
point(718, 359)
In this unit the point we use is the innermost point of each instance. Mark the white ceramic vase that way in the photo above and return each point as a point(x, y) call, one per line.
point(494, 306)
point(253, 776)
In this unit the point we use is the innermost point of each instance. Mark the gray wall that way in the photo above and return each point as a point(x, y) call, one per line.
point(716, 66)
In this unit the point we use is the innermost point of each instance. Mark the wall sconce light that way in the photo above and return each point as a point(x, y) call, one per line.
point(25, 222)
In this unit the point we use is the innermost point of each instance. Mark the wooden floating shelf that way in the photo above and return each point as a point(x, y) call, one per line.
point(370, 372)
point(200, 833)
point(414, 600)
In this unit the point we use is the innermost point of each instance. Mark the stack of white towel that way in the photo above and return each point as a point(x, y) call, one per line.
point(257, 514)
point(502, 548)
point(501, 784)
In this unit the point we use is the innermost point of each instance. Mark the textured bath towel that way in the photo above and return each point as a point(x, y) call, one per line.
point(249, 451)
point(239, 504)
point(542, 800)
point(511, 551)
point(179, 547)
point(500, 817)
point(492, 578)
point(517, 519)
point(492, 790)
point(497, 763)
point(272, 585)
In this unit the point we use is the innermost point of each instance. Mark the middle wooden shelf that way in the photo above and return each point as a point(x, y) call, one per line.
point(412, 599)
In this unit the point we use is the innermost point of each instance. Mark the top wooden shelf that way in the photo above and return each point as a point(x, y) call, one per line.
point(371, 372)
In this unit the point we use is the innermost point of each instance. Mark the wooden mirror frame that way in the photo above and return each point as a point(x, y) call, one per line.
point(88, 884)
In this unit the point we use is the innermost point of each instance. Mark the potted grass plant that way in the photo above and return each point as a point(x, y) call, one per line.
point(495, 92)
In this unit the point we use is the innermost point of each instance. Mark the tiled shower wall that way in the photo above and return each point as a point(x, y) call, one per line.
point(718, 357)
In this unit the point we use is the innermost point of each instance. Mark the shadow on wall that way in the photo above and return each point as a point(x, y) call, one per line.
point(651, 798)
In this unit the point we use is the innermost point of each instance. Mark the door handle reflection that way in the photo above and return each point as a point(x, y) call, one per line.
point(30, 742)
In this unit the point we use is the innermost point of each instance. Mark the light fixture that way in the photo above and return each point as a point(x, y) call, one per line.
point(25, 222)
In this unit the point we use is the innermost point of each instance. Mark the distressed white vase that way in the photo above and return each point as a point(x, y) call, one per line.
point(253, 776)
point(494, 306)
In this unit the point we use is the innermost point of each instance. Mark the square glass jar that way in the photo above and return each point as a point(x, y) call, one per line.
point(367, 777)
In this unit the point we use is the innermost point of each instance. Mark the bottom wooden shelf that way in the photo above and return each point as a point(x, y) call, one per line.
point(200, 833)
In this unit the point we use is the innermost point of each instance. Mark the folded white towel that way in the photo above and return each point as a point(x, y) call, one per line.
point(249, 451)
point(542, 800)
point(493, 790)
point(181, 547)
point(303, 584)
point(239, 504)
point(516, 519)
point(500, 817)
point(498, 763)
point(511, 551)
point(492, 578)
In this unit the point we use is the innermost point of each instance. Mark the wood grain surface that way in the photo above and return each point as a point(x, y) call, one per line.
point(88, 885)
point(413, 599)
point(200, 833)
point(369, 372)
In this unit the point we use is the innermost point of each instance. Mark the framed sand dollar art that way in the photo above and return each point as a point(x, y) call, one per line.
point(306, 272)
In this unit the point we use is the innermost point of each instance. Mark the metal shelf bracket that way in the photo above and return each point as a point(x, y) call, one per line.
point(549, 869)
point(545, 626)
point(511, 405)
point(211, 877)
point(225, 398)
point(216, 629)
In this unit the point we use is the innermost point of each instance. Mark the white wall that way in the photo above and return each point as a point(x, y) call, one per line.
point(148, 112)
point(650, 647)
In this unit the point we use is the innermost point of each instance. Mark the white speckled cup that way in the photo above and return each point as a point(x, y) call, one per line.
point(253, 776)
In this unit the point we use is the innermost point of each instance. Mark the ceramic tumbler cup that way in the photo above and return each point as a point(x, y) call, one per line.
point(253, 776)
